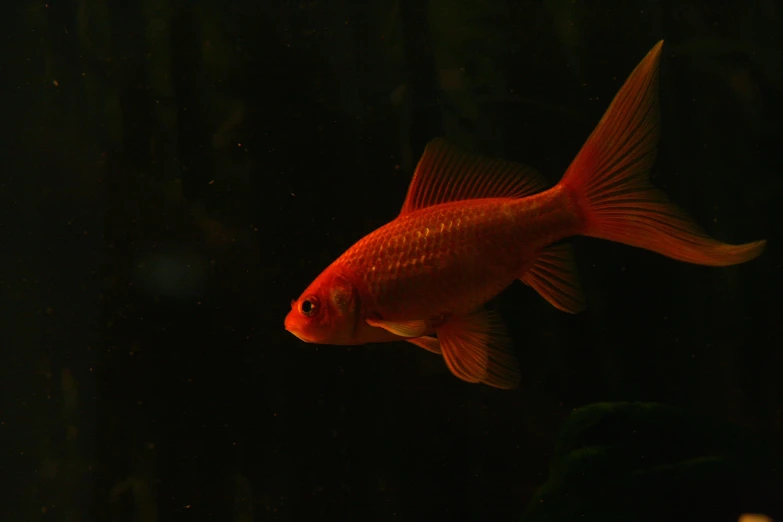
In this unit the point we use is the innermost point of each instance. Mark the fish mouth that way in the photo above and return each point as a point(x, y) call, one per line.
point(297, 335)
point(296, 332)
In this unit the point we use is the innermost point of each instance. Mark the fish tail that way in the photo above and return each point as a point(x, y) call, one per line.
point(609, 184)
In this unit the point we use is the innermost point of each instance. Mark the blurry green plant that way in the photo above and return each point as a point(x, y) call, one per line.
point(640, 462)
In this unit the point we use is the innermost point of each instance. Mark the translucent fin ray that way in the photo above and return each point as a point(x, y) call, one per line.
point(446, 174)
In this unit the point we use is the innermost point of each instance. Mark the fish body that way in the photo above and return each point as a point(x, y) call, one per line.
point(470, 226)
point(453, 257)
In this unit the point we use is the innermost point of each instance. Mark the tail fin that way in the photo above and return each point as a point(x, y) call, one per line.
point(609, 181)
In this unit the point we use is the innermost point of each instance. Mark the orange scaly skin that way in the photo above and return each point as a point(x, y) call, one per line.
point(454, 257)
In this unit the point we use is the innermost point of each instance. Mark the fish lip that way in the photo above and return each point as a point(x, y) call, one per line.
point(296, 334)
point(291, 322)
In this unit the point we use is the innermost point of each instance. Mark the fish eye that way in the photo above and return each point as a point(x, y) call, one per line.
point(308, 306)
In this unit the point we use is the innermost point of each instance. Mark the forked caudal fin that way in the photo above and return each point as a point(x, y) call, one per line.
point(609, 181)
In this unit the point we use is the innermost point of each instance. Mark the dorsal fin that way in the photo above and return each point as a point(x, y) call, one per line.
point(445, 174)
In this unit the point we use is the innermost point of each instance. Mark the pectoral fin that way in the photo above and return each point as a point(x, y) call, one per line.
point(431, 344)
point(414, 328)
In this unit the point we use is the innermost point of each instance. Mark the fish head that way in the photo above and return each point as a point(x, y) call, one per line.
point(327, 312)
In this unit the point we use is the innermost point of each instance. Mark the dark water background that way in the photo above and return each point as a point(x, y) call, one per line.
point(174, 172)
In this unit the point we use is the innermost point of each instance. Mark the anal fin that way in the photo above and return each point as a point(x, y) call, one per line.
point(553, 275)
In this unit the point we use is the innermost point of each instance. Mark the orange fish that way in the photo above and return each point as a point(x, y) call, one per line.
point(470, 226)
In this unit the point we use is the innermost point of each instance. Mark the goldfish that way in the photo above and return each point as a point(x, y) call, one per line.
point(471, 225)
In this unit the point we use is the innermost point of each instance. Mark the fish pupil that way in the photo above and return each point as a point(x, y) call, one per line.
point(307, 307)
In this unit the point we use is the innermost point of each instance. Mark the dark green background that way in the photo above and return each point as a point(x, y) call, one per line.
point(175, 172)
